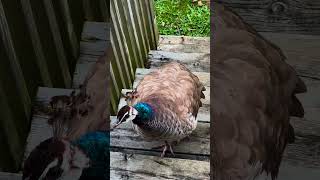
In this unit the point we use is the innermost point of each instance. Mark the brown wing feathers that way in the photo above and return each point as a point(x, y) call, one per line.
point(254, 97)
point(174, 82)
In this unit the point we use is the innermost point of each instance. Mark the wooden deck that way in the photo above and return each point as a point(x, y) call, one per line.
point(132, 158)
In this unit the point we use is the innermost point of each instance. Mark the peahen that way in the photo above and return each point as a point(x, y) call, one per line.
point(254, 96)
point(79, 148)
point(58, 158)
point(164, 106)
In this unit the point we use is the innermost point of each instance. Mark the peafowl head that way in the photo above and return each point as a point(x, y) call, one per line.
point(138, 114)
point(55, 159)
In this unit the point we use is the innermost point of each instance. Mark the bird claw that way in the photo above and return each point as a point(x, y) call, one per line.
point(165, 148)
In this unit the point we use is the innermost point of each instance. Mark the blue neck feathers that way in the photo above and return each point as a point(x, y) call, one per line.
point(96, 145)
point(145, 113)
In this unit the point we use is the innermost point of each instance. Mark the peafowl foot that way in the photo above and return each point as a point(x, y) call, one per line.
point(165, 148)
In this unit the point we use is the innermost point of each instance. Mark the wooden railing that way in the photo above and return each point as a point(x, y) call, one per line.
point(39, 46)
point(133, 35)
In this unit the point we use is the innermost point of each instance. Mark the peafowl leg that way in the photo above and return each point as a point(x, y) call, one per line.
point(165, 148)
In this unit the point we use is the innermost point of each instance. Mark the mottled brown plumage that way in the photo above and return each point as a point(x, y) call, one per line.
point(173, 95)
point(254, 97)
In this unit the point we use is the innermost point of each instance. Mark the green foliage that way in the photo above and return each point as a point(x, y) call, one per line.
point(181, 17)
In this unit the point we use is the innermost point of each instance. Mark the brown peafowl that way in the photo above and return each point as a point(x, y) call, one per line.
point(165, 104)
point(254, 96)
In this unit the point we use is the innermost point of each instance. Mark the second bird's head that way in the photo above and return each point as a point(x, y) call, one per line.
point(139, 113)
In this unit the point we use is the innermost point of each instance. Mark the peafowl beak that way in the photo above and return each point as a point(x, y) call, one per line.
point(125, 114)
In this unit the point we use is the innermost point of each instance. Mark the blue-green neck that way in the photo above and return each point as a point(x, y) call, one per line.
point(145, 112)
point(97, 146)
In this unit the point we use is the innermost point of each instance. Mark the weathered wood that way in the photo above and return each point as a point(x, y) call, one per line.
point(122, 34)
point(93, 32)
point(83, 66)
point(134, 166)
point(309, 125)
point(46, 37)
point(93, 10)
point(198, 62)
point(184, 44)
point(302, 52)
point(96, 31)
point(10, 136)
point(132, 25)
point(142, 23)
point(39, 51)
point(298, 17)
point(175, 40)
point(105, 10)
point(121, 62)
point(68, 45)
point(58, 42)
point(10, 176)
point(153, 22)
point(149, 24)
point(76, 10)
point(197, 144)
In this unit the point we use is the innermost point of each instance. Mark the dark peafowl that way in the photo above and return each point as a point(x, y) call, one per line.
point(254, 96)
point(79, 148)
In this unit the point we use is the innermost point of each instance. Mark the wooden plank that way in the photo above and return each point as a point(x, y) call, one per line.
point(302, 52)
point(10, 176)
point(204, 77)
point(85, 63)
point(196, 146)
point(309, 125)
point(136, 20)
point(149, 24)
point(174, 40)
point(93, 32)
point(46, 36)
point(154, 22)
point(77, 16)
point(58, 42)
point(122, 58)
point(115, 91)
point(62, 24)
point(127, 166)
point(131, 24)
point(92, 10)
point(198, 62)
point(70, 28)
point(105, 10)
point(96, 31)
point(142, 23)
point(37, 46)
point(121, 30)
point(186, 48)
point(298, 17)
point(14, 64)
point(10, 136)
